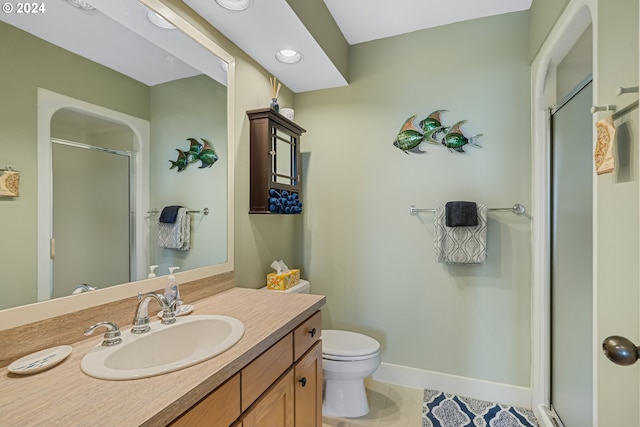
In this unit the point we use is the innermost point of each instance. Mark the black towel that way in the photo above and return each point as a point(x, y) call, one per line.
point(461, 214)
point(169, 214)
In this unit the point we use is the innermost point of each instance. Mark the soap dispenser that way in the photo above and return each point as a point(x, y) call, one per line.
point(171, 292)
point(152, 269)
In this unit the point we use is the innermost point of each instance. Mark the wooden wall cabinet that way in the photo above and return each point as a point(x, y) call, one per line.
point(275, 161)
point(281, 387)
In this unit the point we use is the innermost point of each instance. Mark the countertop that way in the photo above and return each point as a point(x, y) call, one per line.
point(65, 396)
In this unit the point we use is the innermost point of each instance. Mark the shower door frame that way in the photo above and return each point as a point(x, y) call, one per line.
point(571, 24)
point(49, 103)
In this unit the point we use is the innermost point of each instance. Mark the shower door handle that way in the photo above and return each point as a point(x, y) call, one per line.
point(620, 350)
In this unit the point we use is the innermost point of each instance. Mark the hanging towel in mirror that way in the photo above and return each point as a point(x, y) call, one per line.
point(461, 214)
point(460, 245)
point(603, 156)
point(169, 214)
point(176, 235)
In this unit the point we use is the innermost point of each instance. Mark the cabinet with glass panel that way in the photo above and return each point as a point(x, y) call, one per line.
point(275, 163)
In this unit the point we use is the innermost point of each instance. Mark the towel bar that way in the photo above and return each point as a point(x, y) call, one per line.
point(204, 211)
point(517, 209)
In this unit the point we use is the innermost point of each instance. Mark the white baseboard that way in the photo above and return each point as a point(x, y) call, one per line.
point(476, 389)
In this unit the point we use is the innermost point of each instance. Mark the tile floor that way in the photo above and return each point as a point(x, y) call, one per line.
point(389, 406)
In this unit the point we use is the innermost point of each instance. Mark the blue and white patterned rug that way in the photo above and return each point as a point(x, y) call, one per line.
point(448, 410)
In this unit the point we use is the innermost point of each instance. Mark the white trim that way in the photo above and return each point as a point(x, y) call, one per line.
point(469, 387)
point(48, 104)
point(570, 26)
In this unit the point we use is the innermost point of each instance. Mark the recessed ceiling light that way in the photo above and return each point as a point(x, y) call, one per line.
point(80, 4)
point(157, 20)
point(234, 4)
point(288, 56)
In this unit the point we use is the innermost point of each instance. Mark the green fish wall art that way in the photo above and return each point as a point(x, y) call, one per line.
point(182, 162)
point(203, 152)
point(454, 139)
point(432, 126)
point(431, 130)
point(409, 137)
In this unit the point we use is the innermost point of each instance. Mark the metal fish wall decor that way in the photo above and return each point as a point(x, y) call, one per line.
point(203, 152)
point(431, 130)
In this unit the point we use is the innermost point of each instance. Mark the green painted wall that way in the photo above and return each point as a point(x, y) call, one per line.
point(258, 239)
point(542, 17)
point(193, 107)
point(373, 260)
point(29, 63)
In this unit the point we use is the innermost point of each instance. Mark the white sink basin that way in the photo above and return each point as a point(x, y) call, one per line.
point(164, 349)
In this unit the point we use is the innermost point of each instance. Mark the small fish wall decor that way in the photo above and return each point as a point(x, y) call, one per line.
point(431, 130)
point(203, 152)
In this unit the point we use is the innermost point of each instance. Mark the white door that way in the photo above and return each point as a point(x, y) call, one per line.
point(618, 223)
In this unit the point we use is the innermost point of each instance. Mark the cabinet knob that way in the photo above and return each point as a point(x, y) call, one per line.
point(303, 381)
point(312, 332)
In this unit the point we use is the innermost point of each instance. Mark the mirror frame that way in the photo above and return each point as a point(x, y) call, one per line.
point(17, 316)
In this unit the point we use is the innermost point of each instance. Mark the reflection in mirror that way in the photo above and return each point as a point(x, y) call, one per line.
point(85, 84)
point(91, 192)
point(283, 155)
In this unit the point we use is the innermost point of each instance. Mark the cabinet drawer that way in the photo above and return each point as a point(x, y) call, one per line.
point(305, 335)
point(265, 370)
point(219, 409)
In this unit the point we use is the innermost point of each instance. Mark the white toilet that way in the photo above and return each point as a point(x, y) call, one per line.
point(347, 359)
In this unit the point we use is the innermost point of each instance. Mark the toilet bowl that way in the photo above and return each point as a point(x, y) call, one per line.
point(347, 359)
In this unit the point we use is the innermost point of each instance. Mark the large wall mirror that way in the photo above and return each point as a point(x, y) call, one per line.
point(101, 105)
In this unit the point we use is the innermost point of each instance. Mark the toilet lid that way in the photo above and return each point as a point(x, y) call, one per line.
point(347, 344)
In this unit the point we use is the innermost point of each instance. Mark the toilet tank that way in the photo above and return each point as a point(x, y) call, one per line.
point(301, 288)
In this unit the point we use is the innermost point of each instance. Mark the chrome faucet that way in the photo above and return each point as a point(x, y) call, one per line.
point(111, 337)
point(141, 320)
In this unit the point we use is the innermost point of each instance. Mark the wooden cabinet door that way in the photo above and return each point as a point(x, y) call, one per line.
point(219, 409)
point(308, 388)
point(274, 407)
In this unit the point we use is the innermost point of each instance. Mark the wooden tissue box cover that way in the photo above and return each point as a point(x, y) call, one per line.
point(284, 281)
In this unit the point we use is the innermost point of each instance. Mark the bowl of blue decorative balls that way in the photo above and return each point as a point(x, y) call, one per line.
point(284, 202)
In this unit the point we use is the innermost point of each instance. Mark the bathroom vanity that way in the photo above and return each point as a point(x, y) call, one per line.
point(272, 376)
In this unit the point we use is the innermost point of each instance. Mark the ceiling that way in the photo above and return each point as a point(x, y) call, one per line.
point(119, 36)
point(264, 28)
point(270, 25)
point(365, 20)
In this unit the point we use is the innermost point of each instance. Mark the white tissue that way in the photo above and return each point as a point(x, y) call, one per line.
point(279, 266)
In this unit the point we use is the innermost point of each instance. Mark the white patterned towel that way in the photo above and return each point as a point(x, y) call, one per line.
point(176, 235)
point(460, 245)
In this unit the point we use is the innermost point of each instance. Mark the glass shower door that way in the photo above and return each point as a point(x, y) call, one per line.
point(91, 217)
point(572, 259)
